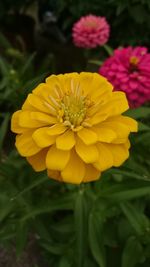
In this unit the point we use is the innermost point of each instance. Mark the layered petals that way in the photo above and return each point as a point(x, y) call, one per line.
point(38, 161)
point(90, 31)
point(105, 160)
point(128, 69)
point(42, 138)
point(119, 152)
point(31, 119)
point(88, 136)
point(88, 154)
point(91, 173)
point(57, 159)
point(66, 141)
point(26, 145)
point(15, 127)
point(73, 127)
point(74, 170)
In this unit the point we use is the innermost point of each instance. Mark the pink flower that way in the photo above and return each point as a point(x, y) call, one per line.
point(128, 69)
point(90, 31)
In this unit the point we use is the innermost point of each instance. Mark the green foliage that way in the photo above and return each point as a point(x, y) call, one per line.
point(77, 226)
point(18, 76)
point(100, 224)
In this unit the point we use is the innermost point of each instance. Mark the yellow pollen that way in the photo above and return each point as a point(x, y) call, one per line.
point(73, 109)
point(90, 24)
point(134, 60)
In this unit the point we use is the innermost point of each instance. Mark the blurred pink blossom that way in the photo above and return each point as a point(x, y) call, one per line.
point(128, 69)
point(90, 31)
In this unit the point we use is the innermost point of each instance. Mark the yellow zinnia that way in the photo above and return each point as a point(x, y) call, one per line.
point(72, 126)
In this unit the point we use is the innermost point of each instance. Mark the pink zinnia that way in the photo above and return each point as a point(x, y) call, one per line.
point(90, 31)
point(128, 69)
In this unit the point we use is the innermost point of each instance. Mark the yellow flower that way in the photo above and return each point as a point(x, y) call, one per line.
point(72, 126)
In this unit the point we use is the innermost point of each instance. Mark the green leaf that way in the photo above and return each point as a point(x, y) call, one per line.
point(142, 112)
point(21, 237)
point(96, 62)
point(67, 259)
point(28, 64)
point(96, 239)
point(108, 49)
point(127, 194)
point(4, 42)
point(32, 83)
point(130, 174)
point(5, 206)
point(56, 249)
point(144, 138)
point(34, 184)
point(80, 227)
point(65, 263)
point(143, 127)
point(138, 221)
point(132, 253)
point(4, 67)
point(62, 203)
point(3, 83)
point(120, 8)
point(3, 130)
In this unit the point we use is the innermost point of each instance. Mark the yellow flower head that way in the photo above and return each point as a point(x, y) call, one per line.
point(72, 126)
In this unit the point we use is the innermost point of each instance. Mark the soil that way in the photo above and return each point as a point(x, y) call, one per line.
point(29, 258)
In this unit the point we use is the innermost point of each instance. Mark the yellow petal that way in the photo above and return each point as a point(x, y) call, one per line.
point(127, 121)
point(104, 134)
point(117, 104)
point(28, 107)
point(127, 144)
point(54, 175)
point(38, 161)
point(57, 129)
point(52, 80)
point(15, 127)
point(35, 119)
point(42, 139)
point(38, 103)
point(121, 130)
point(102, 88)
point(119, 152)
point(45, 119)
point(105, 160)
point(74, 171)
point(26, 145)
point(91, 174)
point(88, 153)
point(57, 159)
point(65, 141)
point(41, 90)
point(88, 136)
point(46, 92)
point(86, 79)
point(98, 118)
point(69, 82)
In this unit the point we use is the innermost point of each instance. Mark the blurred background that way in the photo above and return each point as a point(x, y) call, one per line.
point(44, 223)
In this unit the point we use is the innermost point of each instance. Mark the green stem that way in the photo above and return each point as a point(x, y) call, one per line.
point(80, 213)
point(108, 49)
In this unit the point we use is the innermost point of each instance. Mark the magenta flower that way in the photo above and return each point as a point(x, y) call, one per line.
point(128, 69)
point(90, 31)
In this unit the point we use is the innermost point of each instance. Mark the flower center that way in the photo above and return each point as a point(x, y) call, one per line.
point(134, 60)
point(90, 24)
point(133, 63)
point(73, 109)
